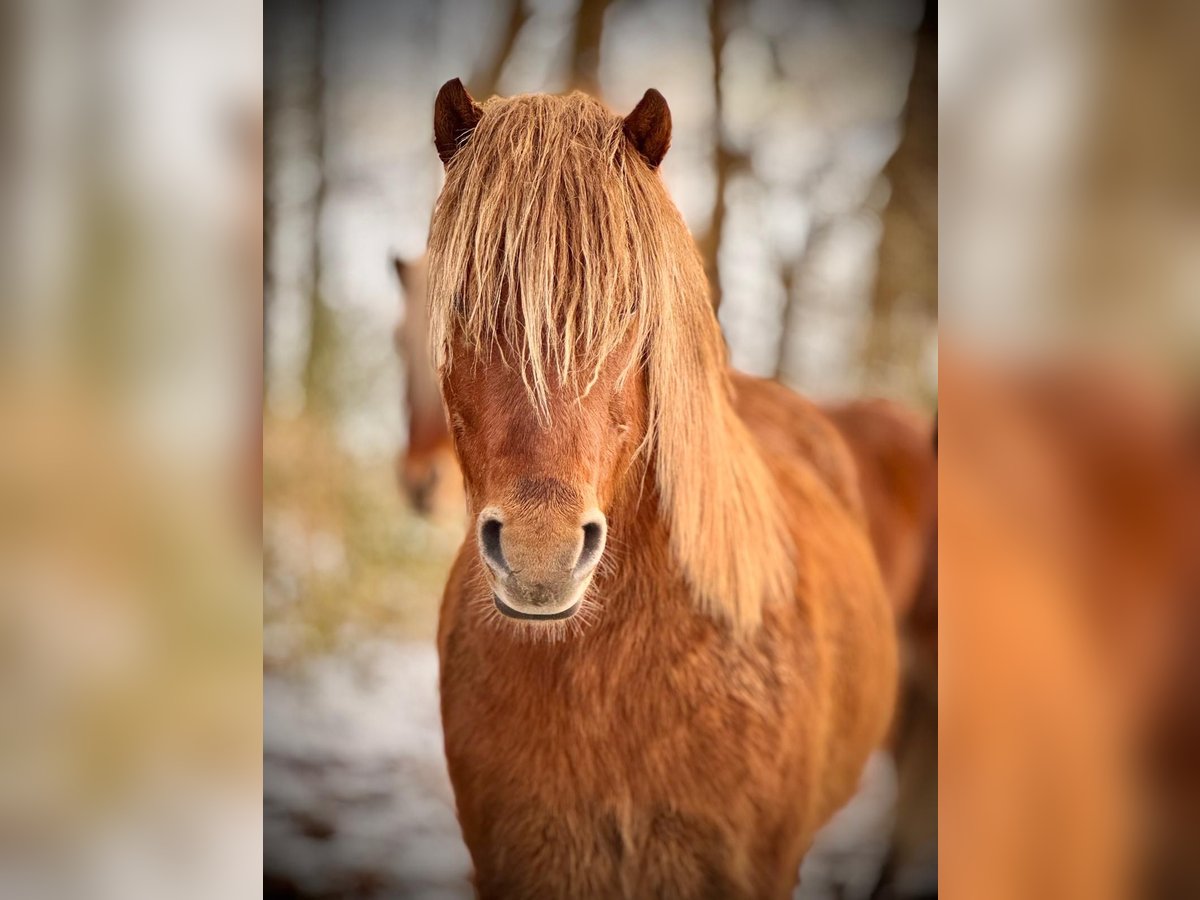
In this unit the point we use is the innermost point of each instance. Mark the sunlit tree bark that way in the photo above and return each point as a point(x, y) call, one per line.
point(319, 363)
point(585, 48)
point(726, 161)
point(906, 279)
point(486, 80)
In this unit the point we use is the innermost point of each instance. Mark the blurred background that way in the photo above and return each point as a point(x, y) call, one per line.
point(130, 299)
point(138, 365)
point(804, 161)
point(1069, 460)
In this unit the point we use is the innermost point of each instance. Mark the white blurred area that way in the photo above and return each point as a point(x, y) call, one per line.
point(1068, 175)
point(130, 303)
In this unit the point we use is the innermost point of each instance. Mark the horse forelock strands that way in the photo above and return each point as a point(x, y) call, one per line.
point(530, 239)
point(554, 244)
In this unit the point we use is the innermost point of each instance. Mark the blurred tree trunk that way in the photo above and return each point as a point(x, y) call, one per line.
point(319, 363)
point(906, 279)
point(485, 82)
point(585, 49)
point(787, 274)
point(13, 67)
point(270, 199)
point(726, 162)
point(797, 274)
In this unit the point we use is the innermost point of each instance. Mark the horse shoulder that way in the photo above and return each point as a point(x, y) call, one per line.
point(847, 615)
point(791, 427)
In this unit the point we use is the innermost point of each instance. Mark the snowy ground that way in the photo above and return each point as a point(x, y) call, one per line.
point(357, 802)
point(356, 797)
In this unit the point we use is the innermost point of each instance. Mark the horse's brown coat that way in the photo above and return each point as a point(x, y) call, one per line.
point(897, 475)
point(686, 733)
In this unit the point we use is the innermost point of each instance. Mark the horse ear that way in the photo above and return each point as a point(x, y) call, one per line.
point(455, 115)
point(648, 127)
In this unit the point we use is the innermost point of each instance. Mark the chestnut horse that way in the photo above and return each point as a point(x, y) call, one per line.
point(666, 652)
point(426, 468)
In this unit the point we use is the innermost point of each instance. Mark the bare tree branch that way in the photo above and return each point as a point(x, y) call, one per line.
point(797, 275)
point(485, 82)
point(726, 162)
point(319, 362)
point(906, 277)
point(585, 48)
point(787, 274)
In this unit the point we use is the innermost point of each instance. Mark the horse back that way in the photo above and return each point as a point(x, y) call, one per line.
point(791, 427)
point(892, 447)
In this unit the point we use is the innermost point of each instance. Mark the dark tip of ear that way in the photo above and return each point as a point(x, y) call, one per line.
point(648, 127)
point(455, 116)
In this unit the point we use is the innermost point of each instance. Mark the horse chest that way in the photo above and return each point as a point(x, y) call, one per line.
point(647, 773)
point(659, 726)
point(610, 851)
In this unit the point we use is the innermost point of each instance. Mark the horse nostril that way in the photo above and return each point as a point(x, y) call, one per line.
point(489, 541)
point(593, 541)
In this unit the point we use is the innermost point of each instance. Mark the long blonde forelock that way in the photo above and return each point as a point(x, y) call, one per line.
point(551, 238)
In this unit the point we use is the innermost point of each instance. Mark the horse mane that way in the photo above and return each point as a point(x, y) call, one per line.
point(554, 243)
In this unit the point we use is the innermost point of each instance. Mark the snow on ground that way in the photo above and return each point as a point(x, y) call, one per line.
point(357, 802)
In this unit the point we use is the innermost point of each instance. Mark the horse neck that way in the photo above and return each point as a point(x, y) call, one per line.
point(640, 536)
